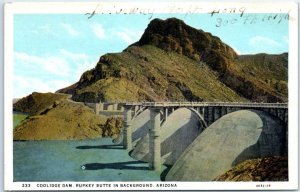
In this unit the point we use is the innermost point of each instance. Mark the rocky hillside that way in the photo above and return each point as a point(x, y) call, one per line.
point(262, 169)
point(175, 62)
point(271, 70)
point(61, 119)
point(37, 102)
point(150, 74)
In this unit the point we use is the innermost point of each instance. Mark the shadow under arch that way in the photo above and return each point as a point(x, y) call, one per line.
point(177, 132)
point(271, 142)
point(140, 127)
point(140, 130)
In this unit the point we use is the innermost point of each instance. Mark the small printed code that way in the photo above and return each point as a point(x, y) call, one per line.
point(25, 185)
point(263, 185)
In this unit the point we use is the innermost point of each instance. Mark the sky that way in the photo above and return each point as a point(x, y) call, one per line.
point(51, 51)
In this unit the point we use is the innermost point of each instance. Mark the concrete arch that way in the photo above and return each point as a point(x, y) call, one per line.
point(237, 136)
point(176, 133)
point(139, 112)
point(140, 125)
point(201, 118)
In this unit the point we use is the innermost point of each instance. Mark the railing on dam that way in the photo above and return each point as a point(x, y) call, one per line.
point(204, 104)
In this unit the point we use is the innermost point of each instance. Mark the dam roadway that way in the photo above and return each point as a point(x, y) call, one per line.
point(203, 104)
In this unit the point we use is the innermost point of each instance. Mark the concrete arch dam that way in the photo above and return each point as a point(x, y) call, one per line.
point(234, 138)
point(161, 132)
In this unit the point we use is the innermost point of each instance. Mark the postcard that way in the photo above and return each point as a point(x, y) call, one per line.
point(151, 96)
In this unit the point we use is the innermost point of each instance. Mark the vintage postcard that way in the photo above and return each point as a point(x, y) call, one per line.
point(151, 96)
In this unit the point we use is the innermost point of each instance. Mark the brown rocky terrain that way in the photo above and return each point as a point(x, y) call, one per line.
point(262, 169)
point(175, 62)
point(112, 127)
point(37, 102)
point(61, 119)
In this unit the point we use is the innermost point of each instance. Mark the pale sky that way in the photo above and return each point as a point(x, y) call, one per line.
point(52, 51)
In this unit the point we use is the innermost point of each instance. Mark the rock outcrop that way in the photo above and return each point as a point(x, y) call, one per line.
point(261, 169)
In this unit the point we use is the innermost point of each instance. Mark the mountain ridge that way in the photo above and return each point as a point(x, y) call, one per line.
point(147, 70)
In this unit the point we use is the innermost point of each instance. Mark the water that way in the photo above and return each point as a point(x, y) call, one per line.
point(63, 161)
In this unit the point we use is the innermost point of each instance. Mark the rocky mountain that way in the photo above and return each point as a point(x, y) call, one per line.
point(175, 62)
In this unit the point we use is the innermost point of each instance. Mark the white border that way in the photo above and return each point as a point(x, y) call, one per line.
point(8, 65)
point(149, 7)
point(164, 7)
